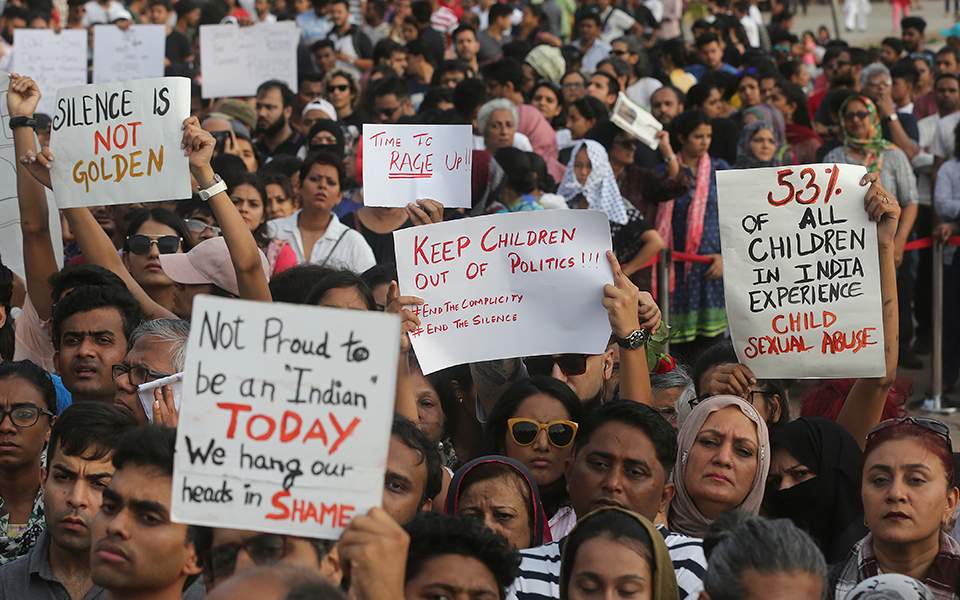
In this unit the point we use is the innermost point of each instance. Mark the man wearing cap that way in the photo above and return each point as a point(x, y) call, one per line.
point(205, 269)
point(274, 133)
point(316, 110)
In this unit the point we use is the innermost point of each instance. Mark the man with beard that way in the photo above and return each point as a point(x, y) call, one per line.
point(78, 468)
point(274, 133)
point(13, 17)
point(138, 552)
point(91, 326)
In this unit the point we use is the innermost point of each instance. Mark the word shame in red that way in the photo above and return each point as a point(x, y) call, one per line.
point(332, 515)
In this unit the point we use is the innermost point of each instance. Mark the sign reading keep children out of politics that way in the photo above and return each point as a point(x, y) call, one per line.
point(801, 272)
point(506, 285)
point(286, 415)
point(118, 143)
point(406, 163)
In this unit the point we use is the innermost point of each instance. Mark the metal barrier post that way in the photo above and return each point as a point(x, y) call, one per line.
point(663, 289)
point(933, 403)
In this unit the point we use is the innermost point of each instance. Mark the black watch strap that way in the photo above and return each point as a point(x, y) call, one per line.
point(16, 122)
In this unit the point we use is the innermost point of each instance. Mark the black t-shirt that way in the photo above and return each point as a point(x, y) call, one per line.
point(177, 49)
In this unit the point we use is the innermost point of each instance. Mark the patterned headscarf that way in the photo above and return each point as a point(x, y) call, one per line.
point(872, 144)
point(601, 189)
point(771, 117)
point(684, 516)
point(746, 159)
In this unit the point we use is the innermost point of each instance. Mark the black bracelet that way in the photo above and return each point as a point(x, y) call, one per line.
point(16, 122)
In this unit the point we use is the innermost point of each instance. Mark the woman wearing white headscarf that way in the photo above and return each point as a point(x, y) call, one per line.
point(589, 182)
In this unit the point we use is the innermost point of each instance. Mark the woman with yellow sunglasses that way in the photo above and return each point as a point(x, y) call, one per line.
point(535, 422)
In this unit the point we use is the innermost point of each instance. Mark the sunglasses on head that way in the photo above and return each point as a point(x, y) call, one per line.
point(263, 549)
point(570, 364)
point(140, 244)
point(198, 226)
point(937, 427)
point(560, 433)
point(337, 88)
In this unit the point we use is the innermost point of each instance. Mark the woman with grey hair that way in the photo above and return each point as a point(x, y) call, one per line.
point(673, 390)
point(748, 556)
point(497, 122)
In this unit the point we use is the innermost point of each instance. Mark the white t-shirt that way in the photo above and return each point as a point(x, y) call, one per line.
point(642, 89)
point(752, 29)
point(97, 14)
point(943, 142)
point(616, 23)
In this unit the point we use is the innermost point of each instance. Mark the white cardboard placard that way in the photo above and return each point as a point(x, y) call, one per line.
point(285, 418)
point(238, 59)
point(801, 274)
point(507, 285)
point(117, 143)
point(404, 163)
point(53, 60)
point(136, 53)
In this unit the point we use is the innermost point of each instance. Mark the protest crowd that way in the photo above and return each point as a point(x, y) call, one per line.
point(642, 417)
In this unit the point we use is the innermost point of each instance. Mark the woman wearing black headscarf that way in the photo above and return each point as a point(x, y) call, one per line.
point(814, 481)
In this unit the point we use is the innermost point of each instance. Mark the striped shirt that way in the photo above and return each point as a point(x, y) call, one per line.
point(539, 577)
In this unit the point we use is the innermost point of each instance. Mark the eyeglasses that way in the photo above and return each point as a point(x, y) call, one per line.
point(137, 375)
point(388, 112)
point(24, 415)
point(140, 244)
point(570, 364)
point(927, 423)
point(337, 88)
point(619, 52)
point(198, 226)
point(263, 549)
point(860, 114)
point(560, 433)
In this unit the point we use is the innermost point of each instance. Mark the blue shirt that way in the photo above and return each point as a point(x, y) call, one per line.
point(699, 70)
point(64, 398)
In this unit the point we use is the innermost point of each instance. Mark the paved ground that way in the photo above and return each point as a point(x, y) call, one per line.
point(879, 22)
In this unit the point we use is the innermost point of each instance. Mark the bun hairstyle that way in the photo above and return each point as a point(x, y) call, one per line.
point(520, 173)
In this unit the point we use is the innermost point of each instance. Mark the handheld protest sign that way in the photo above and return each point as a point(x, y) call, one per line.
point(285, 418)
point(404, 163)
point(134, 53)
point(507, 285)
point(118, 143)
point(801, 272)
point(236, 60)
point(54, 60)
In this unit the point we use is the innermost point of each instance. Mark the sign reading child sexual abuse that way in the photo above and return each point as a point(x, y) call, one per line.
point(499, 286)
point(120, 142)
point(801, 274)
point(286, 415)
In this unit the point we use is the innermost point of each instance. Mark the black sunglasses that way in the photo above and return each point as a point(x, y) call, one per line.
point(263, 549)
point(387, 112)
point(337, 88)
point(570, 364)
point(140, 244)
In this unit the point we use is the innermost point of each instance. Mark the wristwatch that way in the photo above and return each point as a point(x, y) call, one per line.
point(16, 122)
point(218, 185)
point(637, 338)
point(891, 117)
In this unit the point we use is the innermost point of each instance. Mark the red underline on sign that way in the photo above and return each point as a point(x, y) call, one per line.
point(409, 175)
